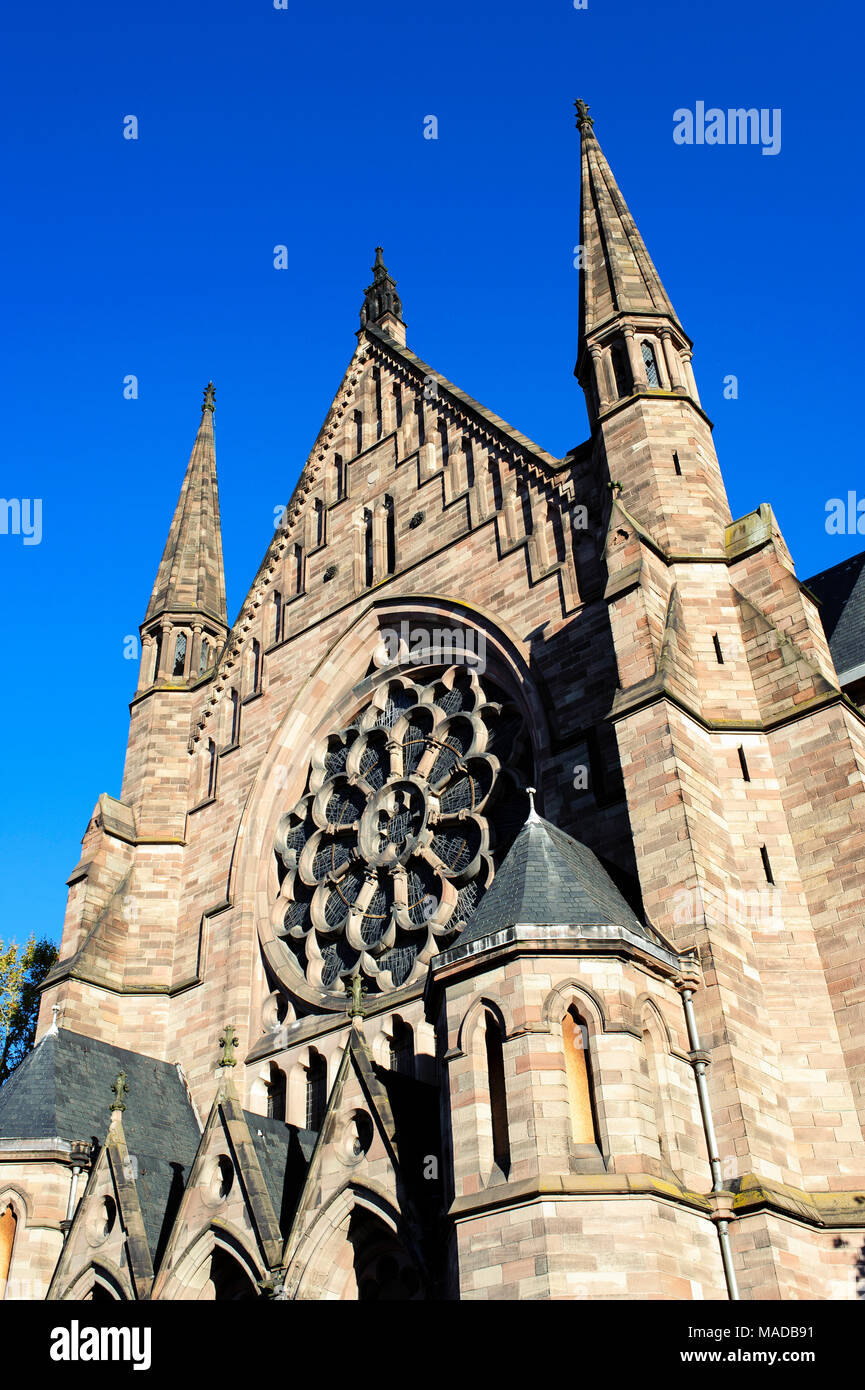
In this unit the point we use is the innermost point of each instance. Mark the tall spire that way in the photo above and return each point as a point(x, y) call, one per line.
point(617, 274)
point(190, 579)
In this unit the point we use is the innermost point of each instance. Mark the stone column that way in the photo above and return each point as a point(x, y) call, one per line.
point(597, 356)
point(635, 357)
point(689, 376)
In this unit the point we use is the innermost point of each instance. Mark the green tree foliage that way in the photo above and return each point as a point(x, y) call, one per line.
point(22, 970)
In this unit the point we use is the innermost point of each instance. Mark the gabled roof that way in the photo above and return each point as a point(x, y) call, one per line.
point(63, 1089)
point(841, 591)
point(549, 879)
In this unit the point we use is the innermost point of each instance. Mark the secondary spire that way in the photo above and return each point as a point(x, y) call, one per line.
point(382, 306)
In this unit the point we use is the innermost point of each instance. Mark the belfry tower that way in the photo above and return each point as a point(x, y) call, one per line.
point(481, 915)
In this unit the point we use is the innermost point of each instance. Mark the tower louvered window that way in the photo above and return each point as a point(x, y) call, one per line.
point(179, 655)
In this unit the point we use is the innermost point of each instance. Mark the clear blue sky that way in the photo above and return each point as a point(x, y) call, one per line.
point(304, 127)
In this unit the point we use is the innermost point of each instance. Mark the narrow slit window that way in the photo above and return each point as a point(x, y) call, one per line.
point(676, 464)
point(767, 867)
point(179, 655)
point(401, 1048)
point(651, 364)
point(621, 373)
point(8, 1226)
point(339, 473)
point(367, 547)
point(276, 1093)
point(498, 1094)
point(255, 666)
point(421, 427)
point(319, 521)
point(746, 775)
point(298, 569)
point(211, 768)
point(390, 534)
point(358, 431)
point(235, 718)
point(575, 1038)
point(378, 420)
point(397, 403)
point(470, 463)
point(316, 1091)
point(277, 616)
point(717, 645)
point(443, 440)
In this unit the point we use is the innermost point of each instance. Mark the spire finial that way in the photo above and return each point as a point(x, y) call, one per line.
point(209, 398)
point(583, 117)
point(381, 297)
point(119, 1090)
point(533, 817)
point(228, 1042)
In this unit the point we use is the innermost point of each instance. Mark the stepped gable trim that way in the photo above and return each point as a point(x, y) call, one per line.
point(294, 514)
point(522, 450)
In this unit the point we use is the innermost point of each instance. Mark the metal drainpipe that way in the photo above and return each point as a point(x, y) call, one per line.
point(699, 1061)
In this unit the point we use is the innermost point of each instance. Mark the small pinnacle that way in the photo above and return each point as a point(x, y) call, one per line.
point(209, 398)
point(583, 117)
point(52, 1027)
point(356, 990)
point(120, 1089)
point(532, 818)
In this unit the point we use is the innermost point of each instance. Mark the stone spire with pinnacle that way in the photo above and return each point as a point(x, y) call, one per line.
point(382, 306)
point(618, 275)
point(186, 617)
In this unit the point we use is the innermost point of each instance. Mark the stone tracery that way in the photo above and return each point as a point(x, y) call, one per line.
point(406, 813)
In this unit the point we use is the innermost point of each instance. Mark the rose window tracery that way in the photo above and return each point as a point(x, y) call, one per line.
point(406, 814)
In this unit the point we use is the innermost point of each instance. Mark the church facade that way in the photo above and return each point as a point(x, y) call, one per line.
point(481, 916)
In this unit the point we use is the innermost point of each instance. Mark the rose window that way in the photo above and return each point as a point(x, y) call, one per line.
point(406, 814)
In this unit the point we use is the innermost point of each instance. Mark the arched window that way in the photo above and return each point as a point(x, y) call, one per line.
point(298, 569)
point(358, 431)
point(401, 1048)
point(376, 376)
point(470, 463)
point(498, 1094)
point(421, 427)
point(277, 616)
point(496, 479)
point(575, 1036)
point(8, 1226)
point(316, 1090)
point(179, 655)
point(157, 654)
point(319, 521)
point(339, 470)
point(619, 359)
point(651, 363)
point(234, 732)
point(255, 665)
point(443, 441)
point(397, 403)
point(276, 1093)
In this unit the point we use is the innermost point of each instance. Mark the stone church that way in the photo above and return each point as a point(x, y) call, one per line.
point(481, 916)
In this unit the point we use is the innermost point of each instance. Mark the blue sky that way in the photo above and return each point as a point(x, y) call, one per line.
point(304, 127)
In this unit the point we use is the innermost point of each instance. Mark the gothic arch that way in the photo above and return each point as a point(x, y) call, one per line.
point(325, 1262)
point(193, 1270)
point(647, 1014)
point(473, 1019)
point(100, 1280)
point(584, 999)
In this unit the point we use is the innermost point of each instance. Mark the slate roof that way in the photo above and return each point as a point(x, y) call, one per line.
point(841, 591)
point(549, 879)
point(284, 1153)
point(62, 1089)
